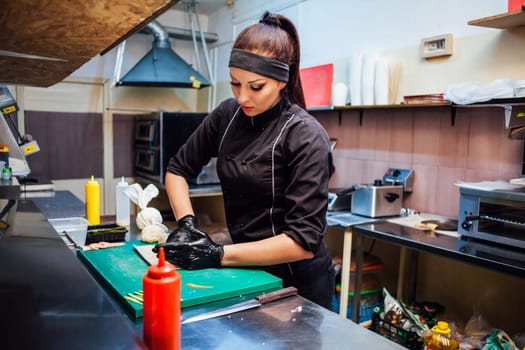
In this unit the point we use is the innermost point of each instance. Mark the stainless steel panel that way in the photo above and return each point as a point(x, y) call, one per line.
point(377, 201)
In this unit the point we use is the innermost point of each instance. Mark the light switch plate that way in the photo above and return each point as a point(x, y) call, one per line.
point(440, 45)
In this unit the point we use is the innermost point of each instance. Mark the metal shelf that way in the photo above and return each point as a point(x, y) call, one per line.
point(505, 103)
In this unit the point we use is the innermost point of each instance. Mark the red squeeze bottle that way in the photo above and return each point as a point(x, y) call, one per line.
point(161, 314)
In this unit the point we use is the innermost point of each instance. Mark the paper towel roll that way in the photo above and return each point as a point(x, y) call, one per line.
point(368, 79)
point(354, 80)
point(382, 82)
point(339, 94)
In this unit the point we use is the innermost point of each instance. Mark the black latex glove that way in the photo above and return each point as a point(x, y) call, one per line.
point(186, 230)
point(191, 248)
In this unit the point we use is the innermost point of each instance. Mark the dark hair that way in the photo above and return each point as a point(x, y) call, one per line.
point(276, 37)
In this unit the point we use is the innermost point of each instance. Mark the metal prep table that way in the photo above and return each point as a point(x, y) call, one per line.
point(497, 258)
point(346, 221)
point(50, 300)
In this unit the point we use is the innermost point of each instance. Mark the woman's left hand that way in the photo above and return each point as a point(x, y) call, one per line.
point(199, 254)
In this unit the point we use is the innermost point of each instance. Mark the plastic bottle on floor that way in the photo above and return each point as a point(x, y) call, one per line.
point(440, 338)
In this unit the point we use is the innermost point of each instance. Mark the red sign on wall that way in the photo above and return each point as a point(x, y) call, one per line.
point(317, 85)
point(515, 5)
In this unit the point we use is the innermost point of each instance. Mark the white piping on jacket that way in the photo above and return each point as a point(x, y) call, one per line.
point(228, 128)
point(273, 180)
point(272, 166)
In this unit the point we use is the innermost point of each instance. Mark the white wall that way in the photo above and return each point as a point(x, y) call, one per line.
point(330, 31)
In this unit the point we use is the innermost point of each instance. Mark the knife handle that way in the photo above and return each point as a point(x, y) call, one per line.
point(278, 294)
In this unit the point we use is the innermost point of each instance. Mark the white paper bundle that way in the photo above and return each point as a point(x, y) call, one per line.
point(381, 82)
point(354, 81)
point(368, 79)
point(394, 76)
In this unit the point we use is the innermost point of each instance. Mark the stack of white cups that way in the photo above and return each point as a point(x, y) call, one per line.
point(372, 80)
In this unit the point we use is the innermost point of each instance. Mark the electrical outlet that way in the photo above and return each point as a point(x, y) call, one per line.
point(440, 45)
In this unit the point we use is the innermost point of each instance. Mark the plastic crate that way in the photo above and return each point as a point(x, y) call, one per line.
point(75, 227)
point(410, 340)
point(370, 299)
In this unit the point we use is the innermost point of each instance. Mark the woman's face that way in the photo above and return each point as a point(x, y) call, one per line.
point(255, 93)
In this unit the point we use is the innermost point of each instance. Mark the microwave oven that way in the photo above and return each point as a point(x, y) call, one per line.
point(158, 137)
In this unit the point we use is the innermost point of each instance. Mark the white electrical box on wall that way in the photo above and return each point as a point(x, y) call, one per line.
point(440, 45)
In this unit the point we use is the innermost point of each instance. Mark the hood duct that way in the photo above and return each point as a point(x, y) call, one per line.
point(162, 67)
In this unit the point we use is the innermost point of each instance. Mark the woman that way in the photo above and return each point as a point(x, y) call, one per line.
point(274, 164)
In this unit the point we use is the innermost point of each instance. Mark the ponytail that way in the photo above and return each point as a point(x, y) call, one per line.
point(276, 37)
point(294, 88)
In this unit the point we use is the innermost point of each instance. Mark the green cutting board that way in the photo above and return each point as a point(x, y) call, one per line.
point(122, 268)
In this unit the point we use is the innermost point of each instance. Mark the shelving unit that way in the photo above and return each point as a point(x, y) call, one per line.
point(362, 108)
point(505, 103)
point(502, 21)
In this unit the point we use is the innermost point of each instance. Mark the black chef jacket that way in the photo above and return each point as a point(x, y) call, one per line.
point(274, 170)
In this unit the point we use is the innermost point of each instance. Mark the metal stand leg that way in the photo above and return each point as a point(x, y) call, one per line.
point(358, 276)
point(345, 271)
point(401, 274)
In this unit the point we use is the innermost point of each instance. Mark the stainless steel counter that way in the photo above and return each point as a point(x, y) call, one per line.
point(291, 323)
point(50, 300)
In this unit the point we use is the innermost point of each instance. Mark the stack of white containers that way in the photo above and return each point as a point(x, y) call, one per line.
point(372, 80)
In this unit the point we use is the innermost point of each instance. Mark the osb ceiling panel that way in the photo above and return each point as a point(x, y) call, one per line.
point(71, 31)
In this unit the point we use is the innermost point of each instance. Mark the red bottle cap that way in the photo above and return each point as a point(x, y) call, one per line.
point(163, 269)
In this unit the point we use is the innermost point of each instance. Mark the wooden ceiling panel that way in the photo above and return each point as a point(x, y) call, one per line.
point(71, 30)
point(35, 72)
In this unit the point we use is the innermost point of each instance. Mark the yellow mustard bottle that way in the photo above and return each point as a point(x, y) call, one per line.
point(93, 201)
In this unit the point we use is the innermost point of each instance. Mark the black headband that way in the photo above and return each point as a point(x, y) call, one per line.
point(259, 64)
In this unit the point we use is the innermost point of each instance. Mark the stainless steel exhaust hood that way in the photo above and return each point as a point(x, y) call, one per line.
point(162, 67)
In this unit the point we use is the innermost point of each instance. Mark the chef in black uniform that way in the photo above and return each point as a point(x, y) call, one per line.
point(274, 162)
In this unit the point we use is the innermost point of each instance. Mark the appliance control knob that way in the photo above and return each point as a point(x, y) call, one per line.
point(466, 225)
point(465, 249)
point(396, 173)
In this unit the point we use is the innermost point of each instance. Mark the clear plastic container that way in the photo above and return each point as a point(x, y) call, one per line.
point(75, 227)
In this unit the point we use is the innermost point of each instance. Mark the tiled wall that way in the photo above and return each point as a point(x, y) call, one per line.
point(475, 148)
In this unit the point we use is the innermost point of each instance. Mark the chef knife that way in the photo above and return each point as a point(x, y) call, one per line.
point(249, 304)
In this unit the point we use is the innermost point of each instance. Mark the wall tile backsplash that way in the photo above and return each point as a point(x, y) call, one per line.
point(475, 148)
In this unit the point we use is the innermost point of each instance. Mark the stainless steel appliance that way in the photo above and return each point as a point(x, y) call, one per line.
point(158, 137)
point(385, 197)
point(493, 215)
point(340, 200)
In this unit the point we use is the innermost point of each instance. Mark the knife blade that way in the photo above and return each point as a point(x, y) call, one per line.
point(245, 305)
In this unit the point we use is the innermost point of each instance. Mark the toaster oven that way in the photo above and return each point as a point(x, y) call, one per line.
point(493, 215)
